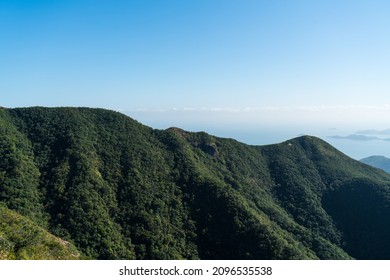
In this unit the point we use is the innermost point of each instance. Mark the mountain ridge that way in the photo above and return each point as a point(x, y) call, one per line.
point(117, 189)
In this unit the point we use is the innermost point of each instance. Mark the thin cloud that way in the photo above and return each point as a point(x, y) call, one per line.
point(356, 137)
point(313, 108)
point(374, 132)
point(193, 109)
point(313, 115)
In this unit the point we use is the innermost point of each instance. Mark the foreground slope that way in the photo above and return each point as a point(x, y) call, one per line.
point(120, 190)
point(20, 238)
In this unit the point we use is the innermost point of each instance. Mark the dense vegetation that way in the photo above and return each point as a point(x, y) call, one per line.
point(119, 190)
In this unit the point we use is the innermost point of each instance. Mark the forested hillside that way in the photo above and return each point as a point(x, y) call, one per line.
point(117, 189)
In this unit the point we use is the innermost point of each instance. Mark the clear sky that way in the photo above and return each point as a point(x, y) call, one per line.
point(202, 62)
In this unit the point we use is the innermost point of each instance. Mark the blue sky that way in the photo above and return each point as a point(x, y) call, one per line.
point(202, 63)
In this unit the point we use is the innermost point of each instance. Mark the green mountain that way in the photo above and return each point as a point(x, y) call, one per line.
point(380, 162)
point(117, 189)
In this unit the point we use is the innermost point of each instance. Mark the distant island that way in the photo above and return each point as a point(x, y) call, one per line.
point(380, 162)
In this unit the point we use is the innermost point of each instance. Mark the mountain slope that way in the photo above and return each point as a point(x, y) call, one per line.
point(120, 190)
point(22, 239)
point(380, 162)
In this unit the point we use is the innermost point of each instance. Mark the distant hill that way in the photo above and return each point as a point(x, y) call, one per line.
point(380, 162)
point(117, 189)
